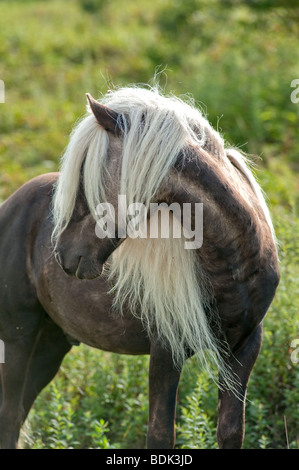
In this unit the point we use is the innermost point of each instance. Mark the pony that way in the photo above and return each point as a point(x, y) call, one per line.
point(70, 275)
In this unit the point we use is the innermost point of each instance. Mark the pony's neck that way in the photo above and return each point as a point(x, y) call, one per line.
point(232, 240)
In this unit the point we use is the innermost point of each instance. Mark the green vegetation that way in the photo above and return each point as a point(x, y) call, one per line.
point(238, 59)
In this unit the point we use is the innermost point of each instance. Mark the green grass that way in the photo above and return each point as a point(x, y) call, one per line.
point(238, 62)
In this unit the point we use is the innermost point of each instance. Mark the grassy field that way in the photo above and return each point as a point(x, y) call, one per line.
point(237, 59)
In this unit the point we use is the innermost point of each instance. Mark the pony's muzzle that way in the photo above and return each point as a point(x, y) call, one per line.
point(58, 257)
point(88, 269)
point(68, 266)
point(79, 267)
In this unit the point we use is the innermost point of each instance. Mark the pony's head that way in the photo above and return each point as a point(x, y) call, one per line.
point(94, 152)
point(126, 145)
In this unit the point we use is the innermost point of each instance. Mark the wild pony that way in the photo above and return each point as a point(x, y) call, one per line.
point(129, 292)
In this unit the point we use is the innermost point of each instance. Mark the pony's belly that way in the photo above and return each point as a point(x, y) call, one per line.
point(83, 309)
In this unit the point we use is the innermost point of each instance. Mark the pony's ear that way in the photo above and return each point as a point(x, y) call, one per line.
point(106, 117)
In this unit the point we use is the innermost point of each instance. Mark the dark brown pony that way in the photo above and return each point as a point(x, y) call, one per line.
point(45, 309)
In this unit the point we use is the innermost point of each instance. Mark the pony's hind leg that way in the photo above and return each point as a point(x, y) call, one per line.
point(231, 406)
point(163, 384)
point(31, 361)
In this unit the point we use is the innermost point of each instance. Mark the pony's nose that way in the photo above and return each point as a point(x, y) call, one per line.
point(70, 266)
point(57, 256)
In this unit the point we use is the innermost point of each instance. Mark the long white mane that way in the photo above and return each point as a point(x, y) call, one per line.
point(160, 280)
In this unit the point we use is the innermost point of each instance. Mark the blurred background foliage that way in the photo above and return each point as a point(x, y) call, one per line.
point(237, 58)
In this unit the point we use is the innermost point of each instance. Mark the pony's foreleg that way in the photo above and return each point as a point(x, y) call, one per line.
point(45, 362)
point(30, 364)
point(231, 409)
point(163, 384)
point(18, 352)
